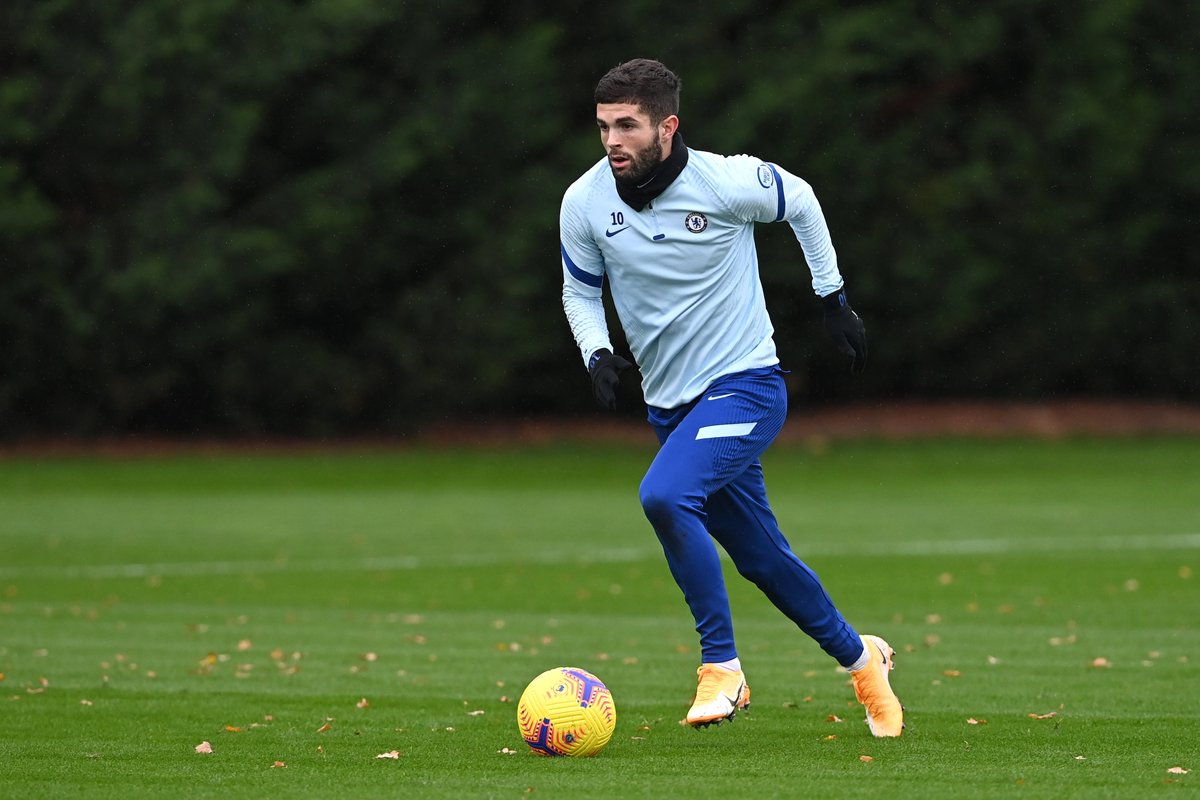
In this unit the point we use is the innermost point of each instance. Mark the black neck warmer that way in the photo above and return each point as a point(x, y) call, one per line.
point(638, 197)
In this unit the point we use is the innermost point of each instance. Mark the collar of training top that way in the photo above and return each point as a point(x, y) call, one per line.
point(638, 197)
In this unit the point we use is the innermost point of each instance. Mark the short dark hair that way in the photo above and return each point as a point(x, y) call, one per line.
point(642, 82)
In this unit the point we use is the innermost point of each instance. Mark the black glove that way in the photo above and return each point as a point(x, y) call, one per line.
point(847, 330)
point(605, 369)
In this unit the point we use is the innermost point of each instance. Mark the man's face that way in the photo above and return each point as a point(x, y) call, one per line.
point(633, 144)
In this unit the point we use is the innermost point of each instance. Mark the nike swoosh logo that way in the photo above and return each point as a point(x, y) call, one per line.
point(719, 396)
point(611, 234)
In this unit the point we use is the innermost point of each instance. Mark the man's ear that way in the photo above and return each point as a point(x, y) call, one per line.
point(667, 128)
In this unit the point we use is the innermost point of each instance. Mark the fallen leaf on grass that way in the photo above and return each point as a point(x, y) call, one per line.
point(973, 721)
point(326, 727)
point(85, 702)
point(362, 703)
point(1047, 715)
point(866, 759)
point(506, 751)
point(389, 754)
point(204, 747)
point(232, 729)
point(1101, 662)
point(1178, 771)
point(833, 718)
point(952, 673)
point(278, 764)
point(829, 738)
point(479, 712)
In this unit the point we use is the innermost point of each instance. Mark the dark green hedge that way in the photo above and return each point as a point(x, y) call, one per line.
point(341, 217)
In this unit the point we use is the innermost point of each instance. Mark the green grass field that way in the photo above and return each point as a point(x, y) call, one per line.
point(306, 614)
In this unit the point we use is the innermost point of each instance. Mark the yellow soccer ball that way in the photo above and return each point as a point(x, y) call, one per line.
point(566, 711)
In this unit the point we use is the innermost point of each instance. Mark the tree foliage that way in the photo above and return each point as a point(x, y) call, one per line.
point(340, 216)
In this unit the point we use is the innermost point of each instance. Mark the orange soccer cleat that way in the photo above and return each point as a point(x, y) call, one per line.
point(719, 695)
point(885, 715)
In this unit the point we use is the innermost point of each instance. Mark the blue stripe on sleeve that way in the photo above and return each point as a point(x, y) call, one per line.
point(578, 274)
point(778, 192)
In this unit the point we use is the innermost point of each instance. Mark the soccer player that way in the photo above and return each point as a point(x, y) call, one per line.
point(671, 231)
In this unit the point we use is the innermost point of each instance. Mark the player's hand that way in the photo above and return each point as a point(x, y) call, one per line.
point(605, 369)
point(846, 329)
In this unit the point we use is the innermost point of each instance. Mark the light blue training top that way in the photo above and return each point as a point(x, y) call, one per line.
point(683, 271)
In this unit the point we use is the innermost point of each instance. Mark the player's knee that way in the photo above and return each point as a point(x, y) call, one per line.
point(758, 573)
point(654, 501)
point(659, 501)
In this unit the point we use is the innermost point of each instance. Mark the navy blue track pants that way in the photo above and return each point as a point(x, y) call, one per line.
point(706, 483)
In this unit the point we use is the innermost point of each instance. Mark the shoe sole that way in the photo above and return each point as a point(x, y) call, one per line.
point(745, 703)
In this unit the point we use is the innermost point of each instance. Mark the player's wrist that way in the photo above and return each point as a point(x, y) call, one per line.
point(596, 357)
point(835, 300)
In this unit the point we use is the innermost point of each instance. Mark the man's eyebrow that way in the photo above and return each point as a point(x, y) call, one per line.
point(617, 120)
